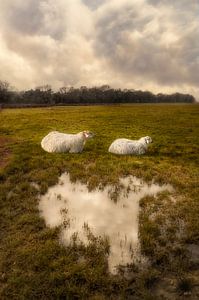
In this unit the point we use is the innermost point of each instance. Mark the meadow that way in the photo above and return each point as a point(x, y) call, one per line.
point(33, 264)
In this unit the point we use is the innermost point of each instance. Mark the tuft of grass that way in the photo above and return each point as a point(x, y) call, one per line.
point(184, 284)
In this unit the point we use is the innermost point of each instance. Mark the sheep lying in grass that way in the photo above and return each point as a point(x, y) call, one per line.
point(62, 142)
point(125, 146)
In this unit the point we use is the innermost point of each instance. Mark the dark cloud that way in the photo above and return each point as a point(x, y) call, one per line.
point(26, 18)
point(182, 4)
point(34, 17)
point(93, 4)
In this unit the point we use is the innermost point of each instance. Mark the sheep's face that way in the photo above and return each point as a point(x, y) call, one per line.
point(88, 134)
point(148, 139)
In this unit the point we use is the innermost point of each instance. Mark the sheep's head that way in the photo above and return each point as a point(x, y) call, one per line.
point(88, 134)
point(148, 139)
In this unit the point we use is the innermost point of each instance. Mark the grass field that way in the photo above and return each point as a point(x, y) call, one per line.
point(32, 262)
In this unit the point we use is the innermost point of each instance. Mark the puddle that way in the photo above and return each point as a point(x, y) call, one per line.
point(80, 211)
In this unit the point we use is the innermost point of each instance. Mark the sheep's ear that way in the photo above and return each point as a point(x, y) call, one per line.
point(85, 133)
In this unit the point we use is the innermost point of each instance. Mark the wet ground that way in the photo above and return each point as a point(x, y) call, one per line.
point(110, 213)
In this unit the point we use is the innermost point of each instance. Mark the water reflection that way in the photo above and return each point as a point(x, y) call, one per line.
point(81, 212)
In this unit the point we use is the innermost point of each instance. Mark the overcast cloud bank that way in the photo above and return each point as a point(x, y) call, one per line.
point(146, 44)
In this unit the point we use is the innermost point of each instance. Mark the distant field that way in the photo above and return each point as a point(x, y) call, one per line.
point(32, 262)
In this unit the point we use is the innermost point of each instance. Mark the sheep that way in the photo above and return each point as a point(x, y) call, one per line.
point(63, 142)
point(125, 146)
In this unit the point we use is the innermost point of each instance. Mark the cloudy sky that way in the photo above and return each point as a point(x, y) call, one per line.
point(141, 44)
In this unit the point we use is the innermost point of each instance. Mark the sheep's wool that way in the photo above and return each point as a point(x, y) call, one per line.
point(126, 146)
point(62, 142)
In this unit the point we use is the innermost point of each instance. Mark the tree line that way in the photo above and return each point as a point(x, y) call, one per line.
point(44, 95)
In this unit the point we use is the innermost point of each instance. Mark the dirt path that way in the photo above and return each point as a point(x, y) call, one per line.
point(5, 152)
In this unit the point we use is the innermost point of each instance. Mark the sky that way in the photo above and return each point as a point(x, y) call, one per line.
point(139, 44)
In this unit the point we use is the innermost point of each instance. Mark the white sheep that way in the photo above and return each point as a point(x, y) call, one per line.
point(63, 142)
point(125, 146)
